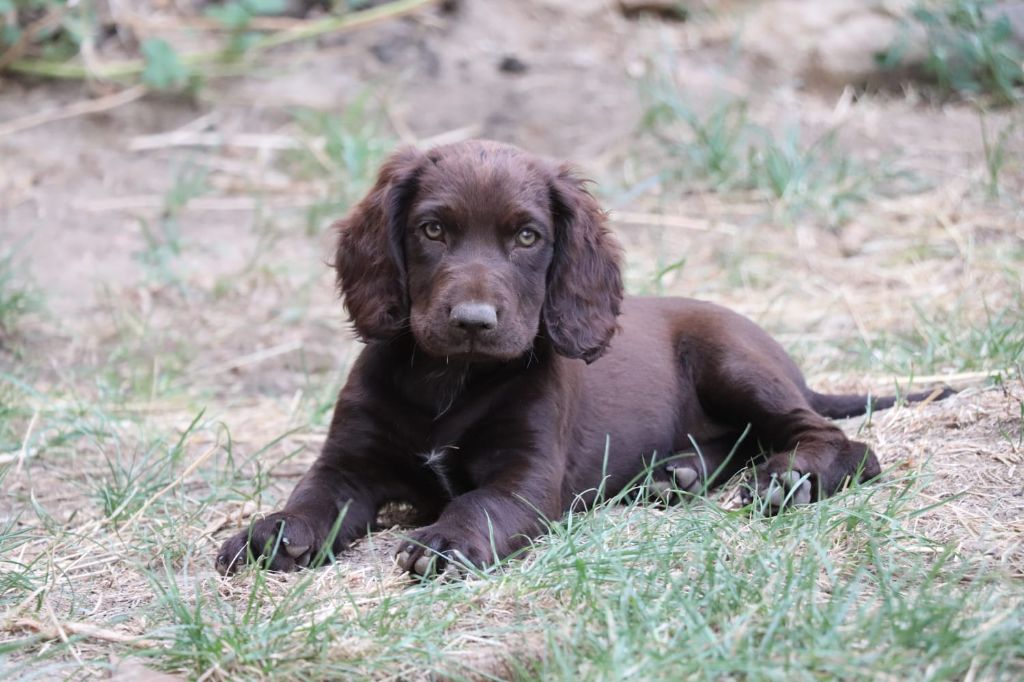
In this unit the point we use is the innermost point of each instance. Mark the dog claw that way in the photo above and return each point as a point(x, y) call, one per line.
point(661, 489)
point(803, 494)
point(781, 486)
point(294, 551)
point(802, 489)
point(775, 495)
point(789, 478)
point(423, 566)
point(735, 502)
point(686, 479)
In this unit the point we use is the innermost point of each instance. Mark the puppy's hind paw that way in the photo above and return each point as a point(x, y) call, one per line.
point(777, 491)
point(687, 479)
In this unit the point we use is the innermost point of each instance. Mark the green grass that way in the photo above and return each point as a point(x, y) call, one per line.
point(17, 297)
point(996, 146)
point(342, 155)
point(163, 244)
point(970, 50)
point(851, 587)
point(723, 150)
point(969, 336)
point(845, 588)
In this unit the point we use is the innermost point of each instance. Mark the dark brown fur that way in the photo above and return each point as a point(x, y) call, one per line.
point(506, 378)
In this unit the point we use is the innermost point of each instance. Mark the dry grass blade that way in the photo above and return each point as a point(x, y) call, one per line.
point(64, 628)
point(52, 17)
point(82, 108)
point(670, 221)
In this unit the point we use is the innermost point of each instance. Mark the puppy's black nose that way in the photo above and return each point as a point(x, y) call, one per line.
point(474, 317)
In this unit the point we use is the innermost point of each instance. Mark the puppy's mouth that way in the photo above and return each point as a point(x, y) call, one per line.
point(476, 350)
point(439, 338)
point(468, 347)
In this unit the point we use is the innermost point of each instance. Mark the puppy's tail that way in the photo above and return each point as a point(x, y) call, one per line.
point(842, 406)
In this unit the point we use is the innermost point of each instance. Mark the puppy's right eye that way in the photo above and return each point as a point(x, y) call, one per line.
point(433, 230)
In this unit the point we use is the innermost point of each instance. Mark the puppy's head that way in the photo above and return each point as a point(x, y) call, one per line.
point(479, 249)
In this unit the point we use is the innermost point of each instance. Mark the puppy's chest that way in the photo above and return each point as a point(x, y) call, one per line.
point(460, 430)
point(460, 453)
point(448, 469)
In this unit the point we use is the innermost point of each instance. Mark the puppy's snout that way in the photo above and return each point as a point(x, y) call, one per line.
point(474, 317)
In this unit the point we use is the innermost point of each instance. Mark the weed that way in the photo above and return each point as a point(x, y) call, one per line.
point(342, 154)
point(954, 340)
point(163, 241)
point(971, 49)
point(715, 146)
point(236, 16)
point(164, 70)
point(57, 27)
point(995, 149)
point(726, 151)
point(816, 178)
point(16, 297)
point(46, 38)
point(130, 481)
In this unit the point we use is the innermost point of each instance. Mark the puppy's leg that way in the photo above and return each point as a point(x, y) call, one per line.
point(326, 511)
point(760, 386)
point(486, 524)
point(811, 466)
point(710, 463)
point(336, 501)
point(477, 528)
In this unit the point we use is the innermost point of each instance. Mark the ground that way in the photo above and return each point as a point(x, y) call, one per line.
point(175, 370)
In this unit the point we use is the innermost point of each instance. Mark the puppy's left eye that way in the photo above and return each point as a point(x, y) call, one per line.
point(433, 229)
point(527, 236)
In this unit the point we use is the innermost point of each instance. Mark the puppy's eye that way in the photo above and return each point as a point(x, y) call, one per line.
point(527, 236)
point(433, 230)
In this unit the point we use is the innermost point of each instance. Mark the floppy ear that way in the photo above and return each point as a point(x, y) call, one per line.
point(370, 258)
point(584, 291)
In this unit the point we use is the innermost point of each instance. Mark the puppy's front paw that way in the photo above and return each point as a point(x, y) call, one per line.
point(430, 550)
point(280, 542)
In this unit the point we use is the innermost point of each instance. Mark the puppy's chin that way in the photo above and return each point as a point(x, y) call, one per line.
point(470, 351)
point(458, 347)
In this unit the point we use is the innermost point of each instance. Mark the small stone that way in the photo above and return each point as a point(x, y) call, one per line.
point(512, 64)
point(673, 10)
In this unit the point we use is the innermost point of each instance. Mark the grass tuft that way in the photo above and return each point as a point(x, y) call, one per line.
point(837, 589)
point(342, 154)
point(971, 50)
point(724, 151)
point(16, 297)
point(965, 337)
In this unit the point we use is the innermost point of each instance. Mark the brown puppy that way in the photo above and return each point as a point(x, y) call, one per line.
point(506, 379)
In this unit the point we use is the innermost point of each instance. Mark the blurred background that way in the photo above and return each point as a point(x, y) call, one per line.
point(181, 161)
point(848, 173)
